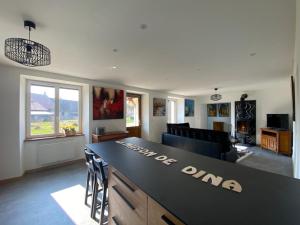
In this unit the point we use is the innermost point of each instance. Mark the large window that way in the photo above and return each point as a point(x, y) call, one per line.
point(172, 112)
point(51, 107)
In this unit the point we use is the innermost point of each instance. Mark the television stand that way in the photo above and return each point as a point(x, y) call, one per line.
point(278, 141)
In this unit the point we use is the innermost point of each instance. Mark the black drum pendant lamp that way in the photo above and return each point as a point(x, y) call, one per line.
point(26, 51)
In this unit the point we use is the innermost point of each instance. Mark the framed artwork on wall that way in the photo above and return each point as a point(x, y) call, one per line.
point(159, 107)
point(212, 110)
point(224, 109)
point(189, 107)
point(108, 103)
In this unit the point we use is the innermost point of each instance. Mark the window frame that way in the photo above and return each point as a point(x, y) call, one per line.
point(56, 87)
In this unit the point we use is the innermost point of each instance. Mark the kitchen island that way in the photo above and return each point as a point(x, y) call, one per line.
point(150, 183)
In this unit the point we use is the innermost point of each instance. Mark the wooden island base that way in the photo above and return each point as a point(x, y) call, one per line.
point(128, 205)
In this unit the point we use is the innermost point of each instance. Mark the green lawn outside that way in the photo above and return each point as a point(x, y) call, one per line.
point(129, 120)
point(44, 128)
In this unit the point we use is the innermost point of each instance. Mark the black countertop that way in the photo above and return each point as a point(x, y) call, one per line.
point(266, 198)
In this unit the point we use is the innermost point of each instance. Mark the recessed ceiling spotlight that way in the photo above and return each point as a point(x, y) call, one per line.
point(143, 26)
point(253, 54)
point(114, 67)
point(115, 50)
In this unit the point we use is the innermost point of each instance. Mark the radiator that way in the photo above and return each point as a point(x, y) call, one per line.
point(56, 152)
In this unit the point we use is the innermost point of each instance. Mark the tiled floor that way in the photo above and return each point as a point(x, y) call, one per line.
point(52, 197)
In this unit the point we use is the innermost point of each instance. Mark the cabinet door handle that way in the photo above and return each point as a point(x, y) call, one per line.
point(167, 220)
point(124, 199)
point(115, 220)
point(122, 180)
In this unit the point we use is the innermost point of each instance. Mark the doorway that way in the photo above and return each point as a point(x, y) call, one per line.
point(133, 114)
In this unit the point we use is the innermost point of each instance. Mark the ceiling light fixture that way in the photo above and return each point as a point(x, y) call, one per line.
point(216, 97)
point(26, 51)
point(114, 67)
point(143, 26)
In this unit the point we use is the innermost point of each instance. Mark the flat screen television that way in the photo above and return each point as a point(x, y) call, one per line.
point(278, 121)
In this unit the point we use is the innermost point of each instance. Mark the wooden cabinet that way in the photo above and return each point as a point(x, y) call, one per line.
point(276, 140)
point(129, 205)
point(157, 215)
point(219, 126)
point(108, 136)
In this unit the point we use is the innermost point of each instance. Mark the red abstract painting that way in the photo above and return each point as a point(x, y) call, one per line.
point(108, 103)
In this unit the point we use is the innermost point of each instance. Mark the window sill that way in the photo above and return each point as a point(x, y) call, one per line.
point(50, 138)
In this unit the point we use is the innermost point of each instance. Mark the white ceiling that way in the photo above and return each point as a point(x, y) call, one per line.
point(188, 48)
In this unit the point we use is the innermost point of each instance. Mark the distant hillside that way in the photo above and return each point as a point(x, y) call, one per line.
point(67, 106)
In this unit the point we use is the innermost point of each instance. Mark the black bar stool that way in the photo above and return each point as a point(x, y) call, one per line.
point(100, 188)
point(90, 174)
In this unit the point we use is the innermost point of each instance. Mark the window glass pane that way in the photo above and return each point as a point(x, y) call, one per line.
point(68, 109)
point(42, 110)
point(132, 112)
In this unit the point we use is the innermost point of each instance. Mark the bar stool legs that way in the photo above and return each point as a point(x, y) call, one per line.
point(100, 186)
point(94, 198)
point(103, 204)
point(90, 174)
point(96, 202)
point(89, 186)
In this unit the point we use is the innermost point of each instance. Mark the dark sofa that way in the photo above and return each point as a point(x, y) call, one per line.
point(210, 143)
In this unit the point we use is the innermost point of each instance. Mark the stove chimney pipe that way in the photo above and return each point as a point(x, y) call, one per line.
point(243, 97)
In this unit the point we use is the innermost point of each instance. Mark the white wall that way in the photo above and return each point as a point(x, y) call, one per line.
point(17, 156)
point(180, 110)
point(10, 156)
point(145, 116)
point(296, 152)
point(157, 124)
point(49, 152)
point(194, 121)
point(274, 98)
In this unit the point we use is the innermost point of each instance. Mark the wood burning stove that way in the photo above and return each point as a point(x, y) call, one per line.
point(245, 121)
point(243, 127)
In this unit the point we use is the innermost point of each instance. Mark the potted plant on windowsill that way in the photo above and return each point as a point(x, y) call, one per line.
point(69, 130)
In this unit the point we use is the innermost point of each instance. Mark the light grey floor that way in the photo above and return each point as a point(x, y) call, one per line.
point(52, 197)
point(269, 161)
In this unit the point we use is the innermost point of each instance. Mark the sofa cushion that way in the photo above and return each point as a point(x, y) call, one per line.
point(201, 134)
point(171, 125)
point(211, 149)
